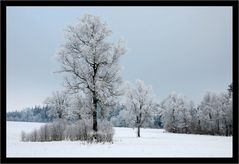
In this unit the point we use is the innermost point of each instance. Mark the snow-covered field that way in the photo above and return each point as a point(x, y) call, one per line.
point(153, 143)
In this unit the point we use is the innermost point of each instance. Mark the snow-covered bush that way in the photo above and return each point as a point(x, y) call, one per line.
point(48, 132)
point(57, 130)
point(80, 130)
point(30, 137)
point(105, 132)
point(23, 136)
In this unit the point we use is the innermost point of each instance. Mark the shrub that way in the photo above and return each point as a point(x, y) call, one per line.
point(80, 130)
point(105, 132)
point(23, 136)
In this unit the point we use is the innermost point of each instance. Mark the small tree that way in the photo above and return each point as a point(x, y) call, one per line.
point(209, 113)
point(140, 104)
point(176, 112)
point(58, 104)
point(91, 63)
point(80, 107)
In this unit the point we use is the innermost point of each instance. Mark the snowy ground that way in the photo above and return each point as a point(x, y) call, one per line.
point(153, 143)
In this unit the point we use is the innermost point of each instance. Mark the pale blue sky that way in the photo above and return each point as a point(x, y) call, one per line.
point(182, 49)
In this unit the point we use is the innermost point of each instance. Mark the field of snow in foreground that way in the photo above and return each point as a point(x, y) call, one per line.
point(153, 143)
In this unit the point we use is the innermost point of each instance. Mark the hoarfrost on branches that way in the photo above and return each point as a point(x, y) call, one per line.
point(58, 104)
point(140, 104)
point(212, 116)
point(91, 63)
point(176, 113)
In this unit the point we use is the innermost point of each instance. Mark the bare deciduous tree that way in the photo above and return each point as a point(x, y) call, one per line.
point(91, 63)
point(58, 103)
point(140, 104)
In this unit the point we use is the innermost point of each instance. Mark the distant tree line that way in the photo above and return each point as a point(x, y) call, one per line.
point(46, 114)
point(31, 114)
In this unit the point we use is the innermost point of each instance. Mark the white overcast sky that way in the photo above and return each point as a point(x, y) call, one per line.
point(183, 49)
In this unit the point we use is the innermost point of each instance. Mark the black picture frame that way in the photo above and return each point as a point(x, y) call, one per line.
point(5, 4)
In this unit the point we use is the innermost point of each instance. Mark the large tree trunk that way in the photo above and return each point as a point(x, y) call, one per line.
point(227, 131)
point(138, 132)
point(138, 120)
point(95, 128)
point(95, 101)
point(94, 114)
point(218, 127)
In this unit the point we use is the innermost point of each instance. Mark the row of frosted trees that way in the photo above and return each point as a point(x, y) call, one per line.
point(212, 116)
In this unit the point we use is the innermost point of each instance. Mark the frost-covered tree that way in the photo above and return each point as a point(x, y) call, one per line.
point(176, 113)
point(205, 111)
point(140, 104)
point(58, 104)
point(215, 114)
point(79, 108)
point(194, 119)
point(225, 101)
point(227, 110)
point(210, 113)
point(90, 62)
